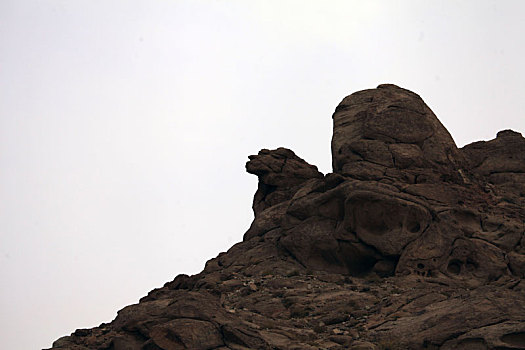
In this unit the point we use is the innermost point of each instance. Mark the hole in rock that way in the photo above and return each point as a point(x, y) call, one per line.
point(517, 339)
point(454, 266)
point(471, 265)
point(415, 227)
point(420, 266)
point(378, 227)
point(357, 261)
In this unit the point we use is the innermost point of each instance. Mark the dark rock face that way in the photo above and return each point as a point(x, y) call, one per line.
point(381, 131)
point(411, 243)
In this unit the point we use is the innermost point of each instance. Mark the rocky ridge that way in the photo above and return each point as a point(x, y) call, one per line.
point(411, 243)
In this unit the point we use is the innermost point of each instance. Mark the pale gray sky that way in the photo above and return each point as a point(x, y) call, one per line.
point(125, 126)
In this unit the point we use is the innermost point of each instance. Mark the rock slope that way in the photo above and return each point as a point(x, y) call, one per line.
point(411, 243)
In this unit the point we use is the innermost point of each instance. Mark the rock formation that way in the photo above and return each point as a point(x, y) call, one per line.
point(411, 243)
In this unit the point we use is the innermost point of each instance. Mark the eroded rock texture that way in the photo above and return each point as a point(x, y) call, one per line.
point(411, 243)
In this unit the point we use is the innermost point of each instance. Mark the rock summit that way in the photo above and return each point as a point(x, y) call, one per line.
point(411, 243)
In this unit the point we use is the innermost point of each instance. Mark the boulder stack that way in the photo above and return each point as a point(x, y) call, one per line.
point(411, 243)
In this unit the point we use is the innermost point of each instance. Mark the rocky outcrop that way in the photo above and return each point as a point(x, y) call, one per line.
point(380, 132)
point(501, 163)
point(411, 243)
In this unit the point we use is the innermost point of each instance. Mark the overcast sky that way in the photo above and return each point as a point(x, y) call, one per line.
point(125, 126)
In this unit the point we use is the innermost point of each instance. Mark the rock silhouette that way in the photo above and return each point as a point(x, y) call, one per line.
point(411, 243)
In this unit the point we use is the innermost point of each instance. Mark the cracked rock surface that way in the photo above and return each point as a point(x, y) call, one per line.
point(411, 243)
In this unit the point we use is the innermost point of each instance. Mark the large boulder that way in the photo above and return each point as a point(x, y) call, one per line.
point(389, 127)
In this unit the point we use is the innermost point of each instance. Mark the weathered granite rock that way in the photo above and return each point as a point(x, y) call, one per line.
point(280, 174)
point(390, 128)
point(411, 243)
